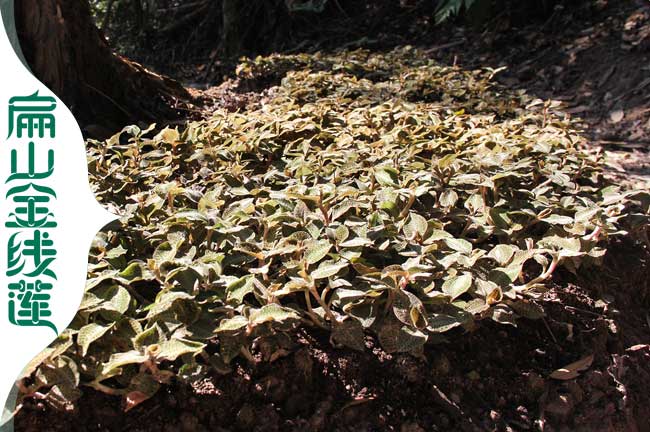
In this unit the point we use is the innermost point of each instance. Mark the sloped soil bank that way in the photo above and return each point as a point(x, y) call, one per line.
point(493, 379)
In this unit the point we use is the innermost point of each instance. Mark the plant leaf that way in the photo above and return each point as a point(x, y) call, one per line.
point(89, 334)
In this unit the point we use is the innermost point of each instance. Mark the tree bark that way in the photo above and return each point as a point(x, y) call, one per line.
point(70, 55)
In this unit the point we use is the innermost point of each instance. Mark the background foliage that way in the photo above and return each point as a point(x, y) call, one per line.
point(164, 32)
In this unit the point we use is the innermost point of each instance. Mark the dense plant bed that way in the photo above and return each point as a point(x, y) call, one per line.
point(370, 194)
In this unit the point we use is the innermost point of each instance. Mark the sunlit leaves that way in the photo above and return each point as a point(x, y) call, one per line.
point(238, 289)
point(387, 176)
point(90, 333)
point(456, 286)
point(174, 348)
point(405, 201)
point(272, 312)
point(317, 250)
point(328, 268)
point(502, 253)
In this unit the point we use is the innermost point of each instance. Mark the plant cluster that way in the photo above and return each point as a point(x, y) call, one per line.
point(374, 194)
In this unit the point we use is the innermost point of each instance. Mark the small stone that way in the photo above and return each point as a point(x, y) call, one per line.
point(616, 116)
point(524, 420)
point(522, 410)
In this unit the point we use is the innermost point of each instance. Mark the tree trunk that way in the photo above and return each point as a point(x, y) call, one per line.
point(67, 52)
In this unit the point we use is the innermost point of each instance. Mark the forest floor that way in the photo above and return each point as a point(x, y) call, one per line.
point(498, 377)
point(598, 67)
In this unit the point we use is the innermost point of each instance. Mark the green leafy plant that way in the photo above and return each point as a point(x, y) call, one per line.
point(449, 8)
point(378, 194)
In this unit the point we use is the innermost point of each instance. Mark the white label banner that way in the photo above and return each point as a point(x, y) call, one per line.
point(48, 216)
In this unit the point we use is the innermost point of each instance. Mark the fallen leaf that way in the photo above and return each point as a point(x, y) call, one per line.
point(572, 370)
point(637, 347)
point(134, 399)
